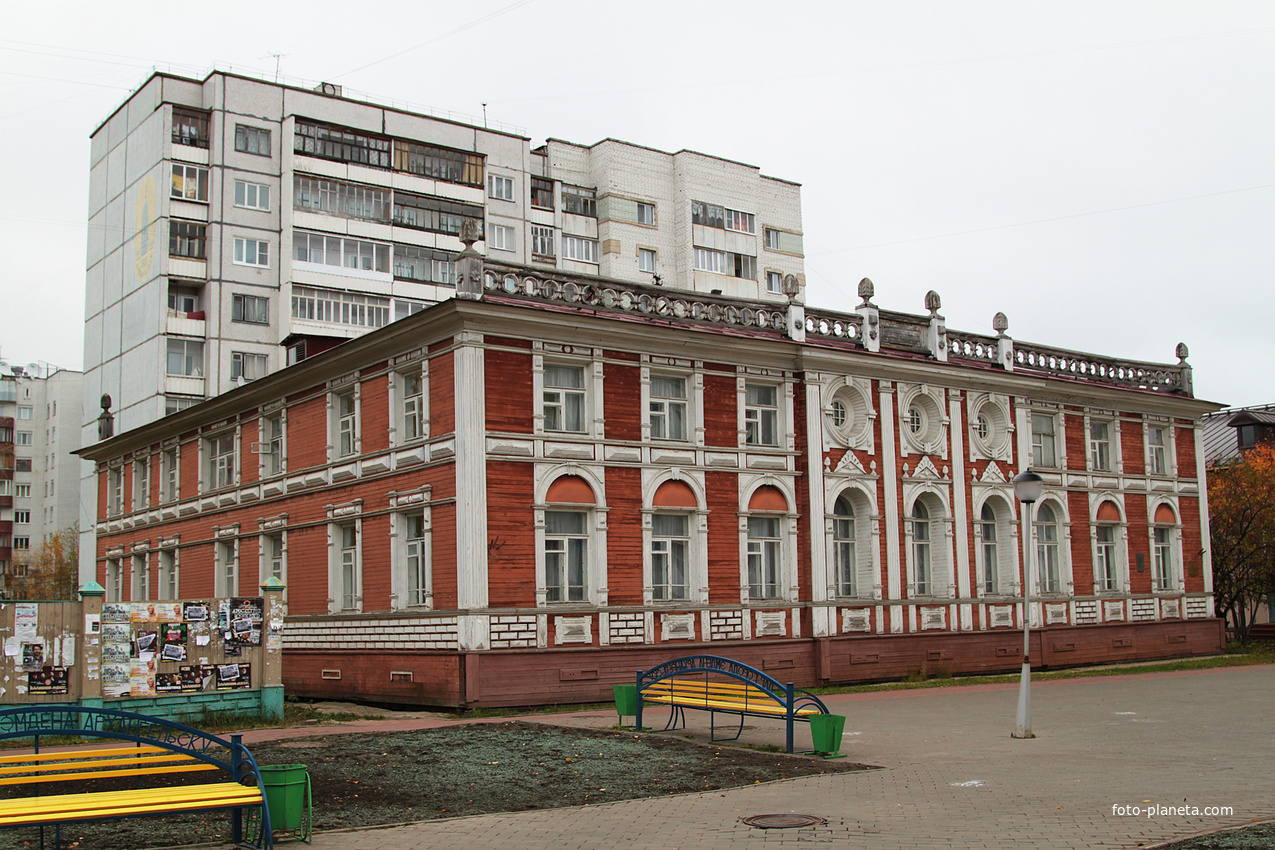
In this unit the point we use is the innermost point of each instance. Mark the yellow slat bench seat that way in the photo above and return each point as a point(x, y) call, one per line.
point(66, 785)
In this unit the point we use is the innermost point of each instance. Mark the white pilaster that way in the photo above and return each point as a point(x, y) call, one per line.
point(471, 489)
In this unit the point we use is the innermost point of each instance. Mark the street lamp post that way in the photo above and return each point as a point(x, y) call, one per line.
point(1027, 489)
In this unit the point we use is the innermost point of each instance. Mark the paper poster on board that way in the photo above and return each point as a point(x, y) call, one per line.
point(26, 621)
point(50, 680)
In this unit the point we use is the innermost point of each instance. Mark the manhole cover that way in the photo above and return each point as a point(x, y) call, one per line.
point(784, 821)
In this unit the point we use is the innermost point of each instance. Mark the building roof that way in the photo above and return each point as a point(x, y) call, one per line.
point(1221, 440)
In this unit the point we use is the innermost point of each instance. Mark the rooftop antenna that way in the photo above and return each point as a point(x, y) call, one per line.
point(276, 57)
point(484, 115)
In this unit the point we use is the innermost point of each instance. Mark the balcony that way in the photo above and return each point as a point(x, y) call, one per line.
point(186, 324)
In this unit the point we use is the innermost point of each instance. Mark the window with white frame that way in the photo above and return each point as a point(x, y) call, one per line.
point(345, 423)
point(340, 252)
point(271, 444)
point(220, 472)
point(1044, 445)
point(922, 551)
point(424, 265)
point(577, 200)
point(712, 215)
point(252, 196)
point(169, 584)
point(989, 554)
point(170, 484)
point(500, 187)
point(185, 357)
point(580, 249)
point(141, 483)
point(844, 556)
point(245, 366)
point(566, 555)
point(190, 182)
point(761, 415)
point(646, 260)
point(114, 580)
point(183, 300)
point(22, 517)
point(564, 398)
point(774, 283)
point(772, 238)
point(115, 490)
point(227, 564)
point(252, 309)
point(500, 237)
point(1100, 446)
point(345, 200)
point(765, 556)
point(349, 567)
point(670, 556)
point(1163, 576)
point(646, 213)
point(254, 140)
point(273, 560)
point(140, 581)
point(22, 438)
point(1106, 560)
point(352, 309)
point(668, 408)
point(1048, 535)
point(542, 242)
point(415, 554)
point(22, 543)
point(24, 412)
point(1157, 450)
point(411, 413)
point(252, 252)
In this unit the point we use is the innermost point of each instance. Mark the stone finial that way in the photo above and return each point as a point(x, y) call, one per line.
point(1000, 324)
point(866, 291)
point(469, 263)
point(933, 302)
point(469, 232)
point(1182, 352)
point(106, 422)
point(791, 286)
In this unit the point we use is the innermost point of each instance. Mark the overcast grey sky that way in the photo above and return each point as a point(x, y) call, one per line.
point(1102, 172)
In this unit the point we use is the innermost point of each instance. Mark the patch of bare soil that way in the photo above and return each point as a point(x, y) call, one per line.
point(395, 777)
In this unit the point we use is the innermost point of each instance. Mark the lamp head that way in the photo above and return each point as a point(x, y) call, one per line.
point(1028, 486)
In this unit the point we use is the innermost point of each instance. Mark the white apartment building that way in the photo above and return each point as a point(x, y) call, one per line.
point(40, 416)
point(237, 224)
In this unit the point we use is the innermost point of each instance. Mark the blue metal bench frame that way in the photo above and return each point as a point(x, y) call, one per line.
point(787, 697)
point(37, 721)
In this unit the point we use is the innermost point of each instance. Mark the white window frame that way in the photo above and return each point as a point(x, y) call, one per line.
point(252, 196)
point(646, 214)
point(114, 580)
point(500, 187)
point(933, 551)
point(1102, 449)
point(272, 555)
point(661, 409)
point(579, 249)
point(243, 306)
point(595, 592)
point(542, 242)
point(1164, 545)
point(221, 469)
point(765, 562)
point(345, 576)
point(412, 569)
point(757, 416)
point(344, 431)
point(557, 399)
point(141, 483)
point(998, 577)
point(1108, 560)
point(1165, 450)
point(248, 366)
point(252, 139)
point(566, 546)
point(139, 578)
point(661, 546)
point(226, 577)
point(1043, 450)
point(409, 412)
point(272, 447)
point(252, 252)
point(648, 260)
point(1041, 557)
point(169, 573)
point(774, 282)
point(170, 470)
point(191, 356)
point(115, 490)
point(187, 176)
point(501, 237)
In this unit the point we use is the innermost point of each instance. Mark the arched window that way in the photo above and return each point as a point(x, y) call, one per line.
point(843, 548)
point(990, 566)
point(1106, 566)
point(922, 562)
point(1164, 534)
point(1047, 537)
point(670, 543)
point(566, 539)
point(766, 543)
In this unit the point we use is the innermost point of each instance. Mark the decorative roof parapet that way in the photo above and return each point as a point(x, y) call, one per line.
point(868, 329)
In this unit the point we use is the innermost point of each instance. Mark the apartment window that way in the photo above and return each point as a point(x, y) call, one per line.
point(646, 214)
point(20, 491)
point(670, 553)
point(183, 299)
point(226, 578)
point(646, 260)
point(252, 196)
point(577, 248)
point(1157, 452)
point(176, 403)
point(761, 415)
point(1100, 446)
point(412, 416)
point(187, 239)
point(436, 215)
point(141, 580)
point(416, 558)
point(707, 260)
point(708, 215)
point(248, 367)
point(725, 262)
point(23, 517)
point(988, 552)
point(272, 444)
point(439, 163)
point(168, 488)
point(348, 567)
point(424, 265)
point(772, 238)
point(500, 187)
point(1162, 556)
point(141, 483)
point(252, 309)
point(221, 461)
point(22, 543)
point(564, 398)
point(253, 140)
point(1106, 565)
point(566, 555)
point(338, 198)
point(346, 423)
point(190, 127)
point(22, 464)
point(764, 557)
point(335, 143)
point(25, 412)
point(114, 491)
point(190, 182)
point(845, 561)
point(668, 408)
point(577, 200)
point(186, 357)
point(22, 438)
point(542, 242)
point(922, 556)
point(272, 558)
point(541, 193)
point(340, 308)
point(114, 581)
point(500, 238)
point(1047, 552)
point(774, 283)
point(340, 252)
point(168, 578)
point(252, 252)
point(1044, 448)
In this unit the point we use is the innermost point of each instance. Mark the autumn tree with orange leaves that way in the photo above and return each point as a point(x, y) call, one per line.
point(50, 571)
point(1242, 535)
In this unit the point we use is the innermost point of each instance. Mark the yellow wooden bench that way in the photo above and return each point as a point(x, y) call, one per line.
point(65, 785)
point(721, 685)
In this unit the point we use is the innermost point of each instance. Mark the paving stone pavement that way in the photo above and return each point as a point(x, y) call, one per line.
point(951, 775)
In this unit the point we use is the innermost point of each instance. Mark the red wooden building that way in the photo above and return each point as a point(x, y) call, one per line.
point(523, 494)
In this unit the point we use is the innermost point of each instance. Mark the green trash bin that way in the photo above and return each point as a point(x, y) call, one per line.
point(287, 788)
point(625, 701)
point(825, 732)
